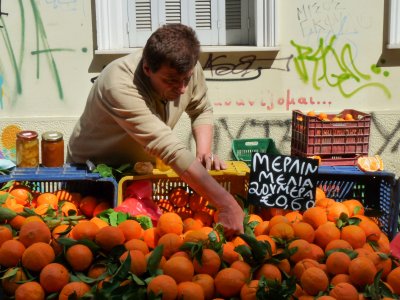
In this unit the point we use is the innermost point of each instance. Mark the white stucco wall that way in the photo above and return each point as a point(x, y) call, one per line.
point(44, 86)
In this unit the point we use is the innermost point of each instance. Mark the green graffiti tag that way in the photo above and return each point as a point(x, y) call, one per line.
point(42, 48)
point(346, 74)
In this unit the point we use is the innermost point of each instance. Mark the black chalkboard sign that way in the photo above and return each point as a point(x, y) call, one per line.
point(282, 181)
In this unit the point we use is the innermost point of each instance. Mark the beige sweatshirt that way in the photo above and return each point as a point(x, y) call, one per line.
point(125, 121)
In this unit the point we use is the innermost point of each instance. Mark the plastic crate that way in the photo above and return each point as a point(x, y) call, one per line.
point(244, 148)
point(234, 179)
point(336, 142)
point(74, 179)
point(378, 191)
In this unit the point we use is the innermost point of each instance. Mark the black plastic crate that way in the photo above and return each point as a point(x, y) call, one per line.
point(377, 191)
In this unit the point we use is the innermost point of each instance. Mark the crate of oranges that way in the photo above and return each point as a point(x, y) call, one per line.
point(171, 193)
point(336, 139)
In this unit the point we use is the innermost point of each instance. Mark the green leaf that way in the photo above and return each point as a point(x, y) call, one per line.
point(6, 214)
point(144, 221)
point(104, 170)
point(154, 259)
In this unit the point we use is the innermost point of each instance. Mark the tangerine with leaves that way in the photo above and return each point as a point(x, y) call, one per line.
point(302, 250)
point(229, 255)
point(99, 222)
point(11, 252)
point(138, 261)
point(228, 282)
point(261, 228)
point(169, 222)
point(109, 237)
point(5, 234)
point(12, 279)
point(180, 268)
point(48, 198)
point(354, 207)
point(209, 263)
point(37, 256)
point(79, 257)
point(96, 270)
point(335, 210)
point(314, 280)
point(34, 232)
point(338, 244)
point(270, 272)
point(207, 283)
point(53, 277)
point(270, 240)
point(84, 230)
point(31, 290)
point(189, 290)
point(22, 194)
point(164, 285)
point(76, 288)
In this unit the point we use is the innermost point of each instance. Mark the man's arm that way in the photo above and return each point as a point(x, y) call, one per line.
point(230, 213)
point(203, 135)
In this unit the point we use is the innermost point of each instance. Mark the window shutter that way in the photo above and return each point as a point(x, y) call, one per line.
point(394, 24)
point(173, 11)
point(237, 22)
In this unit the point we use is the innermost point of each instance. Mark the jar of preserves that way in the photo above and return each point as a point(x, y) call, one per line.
point(52, 149)
point(27, 149)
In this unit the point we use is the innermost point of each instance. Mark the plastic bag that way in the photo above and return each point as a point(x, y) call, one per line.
point(139, 201)
point(395, 246)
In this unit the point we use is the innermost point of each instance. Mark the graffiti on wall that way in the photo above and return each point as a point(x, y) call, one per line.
point(337, 69)
point(17, 49)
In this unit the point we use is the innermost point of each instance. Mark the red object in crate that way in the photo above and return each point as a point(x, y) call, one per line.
point(336, 142)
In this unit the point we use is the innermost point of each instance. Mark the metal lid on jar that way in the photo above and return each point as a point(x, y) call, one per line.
point(27, 135)
point(52, 136)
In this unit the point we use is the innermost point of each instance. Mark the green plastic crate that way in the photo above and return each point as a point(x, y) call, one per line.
point(244, 148)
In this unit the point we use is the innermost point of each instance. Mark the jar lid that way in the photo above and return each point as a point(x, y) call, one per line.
point(27, 134)
point(52, 136)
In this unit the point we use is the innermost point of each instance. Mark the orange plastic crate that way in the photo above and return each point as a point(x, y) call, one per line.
point(336, 142)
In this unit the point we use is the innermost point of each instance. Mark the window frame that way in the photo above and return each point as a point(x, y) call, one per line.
point(113, 28)
point(394, 25)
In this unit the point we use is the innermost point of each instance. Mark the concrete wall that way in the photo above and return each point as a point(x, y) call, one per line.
point(48, 58)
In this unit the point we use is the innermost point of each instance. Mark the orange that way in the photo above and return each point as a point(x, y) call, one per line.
point(254, 218)
point(195, 236)
point(393, 279)
point(314, 280)
point(311, 113)
point(96, 270)
point(150, 236)
point(303, 230)
point(338, 244)
point(335, 210)
point(179, 268)
point(131, 229)
point(138, 261)
point(324, 202)
point(355, 235)
point(209, 264)
point(315, 216)
point(48, 198)
point(137, 244)
point(191, 224)
point(10, 283)
point(303, 251)
point(303, 265)
point(69, 209)
point(372, 231)
point(348, 117)
point(294, 216)
point(34, 232)
point(325, 233)
point(37, 256)
point(362, 271)
point(277, 219)
point(79, 257)
point(11, 252)
point(228, 282)
point(17, 222)
point(318, 252)
point(42, 209)
point(338, 263)
point(171, 242)
point(30, 290)
point(22, 194)
point(109, 237)
point(53, 277)
point(354, 207)
point(340, 278)
point(370, 163)
point(77, 287)
point(59, 230)
point(270, 272)
point(261, 228)
point(270, 240)
point(207, 284)
point(179, 197)
point(169, 222)
point(33, 218)
point(345, 291)
point(229, 255)
point(5, 234)
point(87, 205)
point(319, 193)
point(164, 284)
point(282, 230)
point(99, 222)
point(189, 290)
point(84, 230)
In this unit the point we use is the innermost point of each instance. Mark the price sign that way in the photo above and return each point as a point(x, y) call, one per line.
point(282, 181)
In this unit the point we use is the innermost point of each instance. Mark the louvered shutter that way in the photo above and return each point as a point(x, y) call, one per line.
point(237, 22)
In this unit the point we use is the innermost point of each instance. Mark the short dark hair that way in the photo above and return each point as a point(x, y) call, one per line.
point(174, 45)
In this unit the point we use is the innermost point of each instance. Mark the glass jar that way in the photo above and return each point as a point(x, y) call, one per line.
point(52, 149)
point(27, 149)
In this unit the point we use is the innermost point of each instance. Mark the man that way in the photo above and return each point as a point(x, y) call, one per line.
point(138, 99)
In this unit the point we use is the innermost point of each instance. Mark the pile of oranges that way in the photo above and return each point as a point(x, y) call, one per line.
point(324, 117)
point(330, 251)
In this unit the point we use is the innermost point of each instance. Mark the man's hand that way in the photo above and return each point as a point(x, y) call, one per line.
point(211, 161)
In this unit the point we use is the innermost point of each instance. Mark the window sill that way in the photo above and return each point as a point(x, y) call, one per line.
point(204, 49)
point(393, 46)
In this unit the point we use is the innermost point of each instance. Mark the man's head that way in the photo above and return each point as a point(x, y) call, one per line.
point(173, 45)
point(169, 58)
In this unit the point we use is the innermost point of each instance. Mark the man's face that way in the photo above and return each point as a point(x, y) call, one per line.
point(167, 82)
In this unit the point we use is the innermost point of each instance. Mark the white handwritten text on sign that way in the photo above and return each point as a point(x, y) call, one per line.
point(282, 181)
